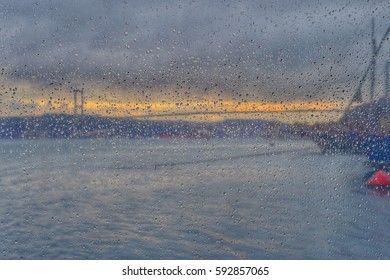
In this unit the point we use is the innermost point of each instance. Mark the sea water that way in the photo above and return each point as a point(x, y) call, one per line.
point(187, 199)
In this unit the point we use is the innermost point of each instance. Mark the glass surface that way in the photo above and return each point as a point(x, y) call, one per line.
point(194, 129)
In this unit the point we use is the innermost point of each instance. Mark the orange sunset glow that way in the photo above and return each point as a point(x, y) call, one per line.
point(28, 100)
point(206, 110)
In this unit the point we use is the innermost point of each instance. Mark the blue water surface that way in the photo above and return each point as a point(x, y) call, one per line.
point(187, 199)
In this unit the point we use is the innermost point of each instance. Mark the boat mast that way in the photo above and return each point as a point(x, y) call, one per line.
point(387, 86)
point(357, 97)
point(373, 59)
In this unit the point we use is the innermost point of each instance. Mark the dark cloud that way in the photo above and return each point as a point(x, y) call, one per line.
point(269, 48)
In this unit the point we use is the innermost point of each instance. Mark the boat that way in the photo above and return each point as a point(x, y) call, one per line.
point(370, 130)
point(364, 128)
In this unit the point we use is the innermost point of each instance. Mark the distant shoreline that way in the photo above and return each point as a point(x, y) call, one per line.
point(70, 127)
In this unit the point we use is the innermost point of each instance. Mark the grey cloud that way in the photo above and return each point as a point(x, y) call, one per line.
point(273, 45)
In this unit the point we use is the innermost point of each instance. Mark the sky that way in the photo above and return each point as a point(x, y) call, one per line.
point(145, 58)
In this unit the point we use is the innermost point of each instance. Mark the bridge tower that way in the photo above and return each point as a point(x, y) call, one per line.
point(78, 106)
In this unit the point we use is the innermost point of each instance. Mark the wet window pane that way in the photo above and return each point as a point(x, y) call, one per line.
point(194, 129)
